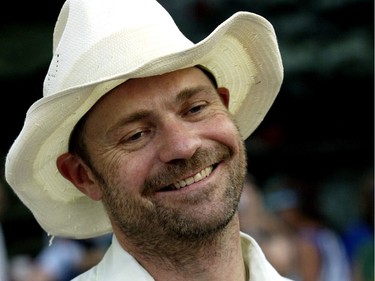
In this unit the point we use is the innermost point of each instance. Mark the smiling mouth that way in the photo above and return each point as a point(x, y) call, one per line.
point(190, 180)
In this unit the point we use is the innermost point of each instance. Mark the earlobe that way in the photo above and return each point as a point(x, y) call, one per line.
point(74, 170)
point(224, 95)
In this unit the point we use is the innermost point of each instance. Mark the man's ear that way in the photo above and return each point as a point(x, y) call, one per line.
point(74, 169)
point(224, 95)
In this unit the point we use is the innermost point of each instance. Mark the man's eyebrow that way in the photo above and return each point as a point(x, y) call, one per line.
point(187, 93)
point(133, 117)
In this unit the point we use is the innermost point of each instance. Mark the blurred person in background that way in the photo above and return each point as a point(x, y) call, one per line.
point(359, 234)
point(321, 253)
point(275, 237)
point(63, 259)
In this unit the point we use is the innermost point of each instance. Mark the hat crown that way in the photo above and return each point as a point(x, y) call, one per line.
point(95, 39)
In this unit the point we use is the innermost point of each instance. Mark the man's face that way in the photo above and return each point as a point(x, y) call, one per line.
point(167, 156)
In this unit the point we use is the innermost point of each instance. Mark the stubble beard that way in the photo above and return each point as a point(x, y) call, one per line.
point(164, 231)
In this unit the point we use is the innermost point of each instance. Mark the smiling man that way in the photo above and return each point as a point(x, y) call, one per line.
point(140, 133)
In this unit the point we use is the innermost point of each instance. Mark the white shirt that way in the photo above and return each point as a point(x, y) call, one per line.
point(119, 265)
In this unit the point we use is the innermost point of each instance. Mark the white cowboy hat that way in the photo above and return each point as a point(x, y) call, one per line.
point(99, 44)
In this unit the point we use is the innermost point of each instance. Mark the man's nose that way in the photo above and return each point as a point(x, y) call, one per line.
point(178, 140)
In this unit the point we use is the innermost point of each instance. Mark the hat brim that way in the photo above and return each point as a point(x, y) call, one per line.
point(243, 55)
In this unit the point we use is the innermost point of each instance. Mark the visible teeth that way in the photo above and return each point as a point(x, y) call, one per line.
point(197, 177)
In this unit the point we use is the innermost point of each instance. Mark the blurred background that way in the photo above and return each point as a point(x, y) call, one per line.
point(319, 132)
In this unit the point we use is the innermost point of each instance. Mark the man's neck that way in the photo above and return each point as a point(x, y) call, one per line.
point(218, 258)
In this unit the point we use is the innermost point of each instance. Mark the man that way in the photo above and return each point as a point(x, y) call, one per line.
point(140, 133)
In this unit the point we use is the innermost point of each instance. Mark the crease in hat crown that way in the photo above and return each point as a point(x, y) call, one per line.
point(97, 45)
point(140, 20)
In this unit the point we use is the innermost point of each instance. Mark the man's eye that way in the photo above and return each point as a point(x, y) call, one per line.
point(136, 135)
point(197, 108)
